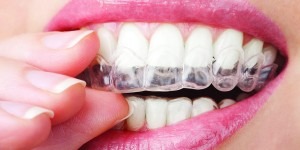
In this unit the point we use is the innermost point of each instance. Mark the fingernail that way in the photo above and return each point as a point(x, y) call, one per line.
point(52, 82)
point(24, 111)
point(131, 108)
point(64, 40)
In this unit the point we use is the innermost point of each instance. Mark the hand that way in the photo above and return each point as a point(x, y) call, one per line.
point(39, 97)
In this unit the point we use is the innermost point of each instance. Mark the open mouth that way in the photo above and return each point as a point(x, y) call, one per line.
point(192, 80)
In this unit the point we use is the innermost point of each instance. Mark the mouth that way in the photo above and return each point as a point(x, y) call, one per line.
point(194, 71)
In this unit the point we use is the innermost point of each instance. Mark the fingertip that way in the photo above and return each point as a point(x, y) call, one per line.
point(20, 133)
point(73, 99)
point(114, 105)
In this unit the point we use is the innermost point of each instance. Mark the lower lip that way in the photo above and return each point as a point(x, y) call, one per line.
point(203, 132)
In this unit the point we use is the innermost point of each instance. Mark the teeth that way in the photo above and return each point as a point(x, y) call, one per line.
point(155, 57)
point(108, 44)
point(228, 55)
point(166, 47)
point(270, 54)
point(137, 120)
point(252, 52)
point(156, 112)
point(198, 48)
point(198, 59)
point(130, 58)
point(165, 59)
point(251, 67)
point(268, 68)
point(132, 46)
point(202, 105)
point(225, 103)
point(179, 109)
point(227, 48)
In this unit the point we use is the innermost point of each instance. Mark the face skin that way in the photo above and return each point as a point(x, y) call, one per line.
point(275, 126)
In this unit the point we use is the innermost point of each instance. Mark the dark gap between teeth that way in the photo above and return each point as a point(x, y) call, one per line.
point(210, 92)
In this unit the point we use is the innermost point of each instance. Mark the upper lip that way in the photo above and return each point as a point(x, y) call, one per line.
point(209, 129)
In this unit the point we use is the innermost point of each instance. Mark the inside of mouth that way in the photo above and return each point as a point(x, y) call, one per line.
point(163, 78)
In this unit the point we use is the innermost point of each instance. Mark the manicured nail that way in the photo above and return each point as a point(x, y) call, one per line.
point(24, 111)
point(64, 40)
point(131, 108)
point(52, 82)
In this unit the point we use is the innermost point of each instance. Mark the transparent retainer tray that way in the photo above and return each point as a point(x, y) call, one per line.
point(107, 77)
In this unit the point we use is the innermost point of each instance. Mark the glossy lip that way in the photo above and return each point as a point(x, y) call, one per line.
point(207, 130)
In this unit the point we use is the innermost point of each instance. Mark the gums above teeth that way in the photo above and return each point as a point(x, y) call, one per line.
point(167, 57)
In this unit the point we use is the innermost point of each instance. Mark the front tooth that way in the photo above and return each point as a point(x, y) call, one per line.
point(251, 67)
point(198, 59)
point(137, 120)
point(156, 112)
point(130, 59)
point(108, 44)
point(226, 102)
point(132, 46)
point(228, 55)
point(179, 109)
point(166, 47)
point(164, 60)
point(202, 105)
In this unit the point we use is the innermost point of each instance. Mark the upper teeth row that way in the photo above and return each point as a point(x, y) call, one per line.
point(166, 61)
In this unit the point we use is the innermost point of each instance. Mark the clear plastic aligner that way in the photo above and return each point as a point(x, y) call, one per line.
point(198, 59)
point(130, 59)
point(197, 73)
point(134, 64)
point(164, 62)
point(226, 69)
point(100, 74)
point(163, 75)
point(266, 74)
point(197, 77)
point(250, 72)
point(127, 76)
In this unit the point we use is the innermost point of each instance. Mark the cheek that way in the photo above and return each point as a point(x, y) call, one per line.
point(41, 13)
point(277, 124)
point(23, 16)
point(13, 15)
point(288, 20)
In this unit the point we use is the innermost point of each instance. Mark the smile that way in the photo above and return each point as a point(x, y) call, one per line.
point(182, 66)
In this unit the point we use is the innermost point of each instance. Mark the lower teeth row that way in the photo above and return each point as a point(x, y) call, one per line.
point(155, 112)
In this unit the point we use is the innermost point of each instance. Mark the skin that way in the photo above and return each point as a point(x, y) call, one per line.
point(276, 125)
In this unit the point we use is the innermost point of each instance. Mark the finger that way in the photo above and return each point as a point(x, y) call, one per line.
point(101, 112)
point(66, 53)
point(23, 126)
point(23, 83)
